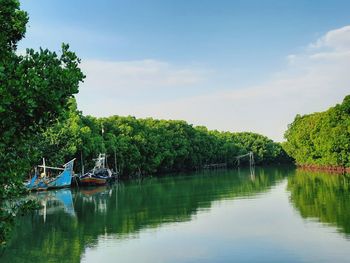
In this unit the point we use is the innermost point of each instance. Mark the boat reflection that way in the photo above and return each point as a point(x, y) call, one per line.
point(54, 201)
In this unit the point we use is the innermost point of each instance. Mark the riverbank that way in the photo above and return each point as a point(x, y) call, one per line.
point(325, 168)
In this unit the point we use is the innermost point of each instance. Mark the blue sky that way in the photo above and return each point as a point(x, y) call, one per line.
point(152, 58)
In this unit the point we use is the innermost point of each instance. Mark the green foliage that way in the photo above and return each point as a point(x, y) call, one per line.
point(321, 138)
point(150, 146)
point(59, 142)
point(156, 146)
point(12, 26)
point(35, 90)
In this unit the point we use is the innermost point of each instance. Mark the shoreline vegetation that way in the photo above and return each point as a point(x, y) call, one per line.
point(328, 169)
point(151, 146)
point(321, 140)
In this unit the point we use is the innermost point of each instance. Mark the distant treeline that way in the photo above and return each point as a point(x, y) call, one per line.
point(321, 139)
point(149, 146)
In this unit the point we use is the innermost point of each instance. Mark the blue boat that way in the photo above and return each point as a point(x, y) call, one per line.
point(42, 181)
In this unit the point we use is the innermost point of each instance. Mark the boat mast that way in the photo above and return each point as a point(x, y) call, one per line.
point(102, 161)
point(82, 163)
point(44, 166)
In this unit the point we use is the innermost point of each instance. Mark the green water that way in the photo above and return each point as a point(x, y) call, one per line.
point(277, 215)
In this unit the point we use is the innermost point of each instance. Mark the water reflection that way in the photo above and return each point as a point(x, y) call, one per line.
point(54, 201)
point(322, 196)
point(73, 222)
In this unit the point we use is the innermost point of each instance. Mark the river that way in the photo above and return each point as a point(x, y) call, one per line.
point(276, 214)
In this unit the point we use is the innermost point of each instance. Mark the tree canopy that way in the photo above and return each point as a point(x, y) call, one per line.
point(152, 146)
point(321, 138)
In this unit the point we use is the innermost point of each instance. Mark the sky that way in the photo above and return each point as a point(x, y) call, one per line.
point(229, 65)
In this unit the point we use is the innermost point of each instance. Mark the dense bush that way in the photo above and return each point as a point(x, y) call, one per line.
point(321, 138)
point(151, 146)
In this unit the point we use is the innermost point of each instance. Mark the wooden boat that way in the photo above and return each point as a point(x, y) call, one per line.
point(44, 182)
point(99, 175)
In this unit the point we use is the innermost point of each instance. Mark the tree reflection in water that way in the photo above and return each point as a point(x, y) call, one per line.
point(123, 210)
point(322, 196)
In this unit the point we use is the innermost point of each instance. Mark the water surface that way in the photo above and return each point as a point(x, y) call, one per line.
point(275, 215)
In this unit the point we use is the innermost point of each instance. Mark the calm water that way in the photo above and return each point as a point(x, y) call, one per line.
point(276, 215)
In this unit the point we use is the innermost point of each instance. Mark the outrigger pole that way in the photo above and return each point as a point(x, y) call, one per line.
point(49, 167)
point(251, 162)
point(82, 162)
point(251, 159)
point(53, 168)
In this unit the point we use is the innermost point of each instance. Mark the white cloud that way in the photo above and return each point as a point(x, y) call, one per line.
point(313, 81)
point(119, 87)
point(131, 76)
point(338, 39)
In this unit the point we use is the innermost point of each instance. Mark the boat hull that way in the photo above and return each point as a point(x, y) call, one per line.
point(90, 181)
point(98, 176)
point(61, 181)
point(42, 184)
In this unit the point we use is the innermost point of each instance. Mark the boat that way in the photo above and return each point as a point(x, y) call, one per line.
point(99, 175)
point(44, 181)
